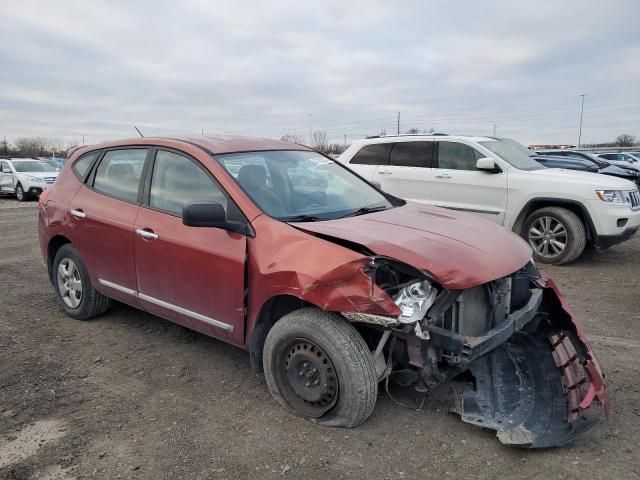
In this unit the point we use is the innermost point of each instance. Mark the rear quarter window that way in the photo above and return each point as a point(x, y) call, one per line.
point(376, 154)
point(81, 166)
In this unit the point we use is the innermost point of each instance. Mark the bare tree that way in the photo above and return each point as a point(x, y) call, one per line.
point(625, 140)
point(413, 131)
point(292, 138)
point(320, 141)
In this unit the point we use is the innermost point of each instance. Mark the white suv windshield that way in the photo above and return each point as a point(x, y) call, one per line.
point(32, 167)
point(512, 152)
point(302, 186)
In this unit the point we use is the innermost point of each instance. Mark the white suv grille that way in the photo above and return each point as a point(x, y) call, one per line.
point(49, 180)
point(634, 200)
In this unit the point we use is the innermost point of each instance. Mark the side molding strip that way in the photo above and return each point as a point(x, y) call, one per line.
point(169, 306)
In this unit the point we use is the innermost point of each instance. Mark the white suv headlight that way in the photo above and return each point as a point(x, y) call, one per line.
point(611, 196)
point(35, 179)
point(414, 300)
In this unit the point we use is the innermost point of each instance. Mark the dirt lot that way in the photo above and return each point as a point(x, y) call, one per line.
point(129, 395)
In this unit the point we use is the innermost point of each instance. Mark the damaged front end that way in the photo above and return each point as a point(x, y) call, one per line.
point(535, 379)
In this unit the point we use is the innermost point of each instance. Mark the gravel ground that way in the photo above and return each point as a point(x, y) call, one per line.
point(129, 395)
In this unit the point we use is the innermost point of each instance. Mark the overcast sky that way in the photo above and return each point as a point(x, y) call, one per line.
point(95, 68)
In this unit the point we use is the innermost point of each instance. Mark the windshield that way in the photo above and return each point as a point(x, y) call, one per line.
point(302, 186)
point(514, 153)
point(32, 167)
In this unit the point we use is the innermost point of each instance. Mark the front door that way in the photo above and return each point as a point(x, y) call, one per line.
point(458, 185)
point(191, 275)
point(101, 218)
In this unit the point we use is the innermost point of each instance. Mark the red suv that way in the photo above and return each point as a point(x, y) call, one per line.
point(332, 285)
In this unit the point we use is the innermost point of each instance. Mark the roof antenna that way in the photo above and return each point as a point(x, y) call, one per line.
point(139, 132)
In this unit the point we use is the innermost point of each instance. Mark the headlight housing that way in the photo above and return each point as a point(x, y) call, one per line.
point(35, 179)
point(612, 196)
point(414, 300)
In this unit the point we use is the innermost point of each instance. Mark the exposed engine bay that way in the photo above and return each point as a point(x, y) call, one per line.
point(535, 379)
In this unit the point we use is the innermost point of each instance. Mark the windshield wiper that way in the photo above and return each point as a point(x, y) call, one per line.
point(365, 210)
point(302, 218)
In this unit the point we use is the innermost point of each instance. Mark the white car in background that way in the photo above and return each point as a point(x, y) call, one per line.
point(25, 178)
point(559, 212)
point(623, 159)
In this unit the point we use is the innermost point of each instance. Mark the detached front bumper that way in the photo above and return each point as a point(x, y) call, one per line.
point(540, 387)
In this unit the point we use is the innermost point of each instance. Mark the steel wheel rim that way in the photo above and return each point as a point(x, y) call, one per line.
point(69, 283)
point(548, 236)
point(307, 377)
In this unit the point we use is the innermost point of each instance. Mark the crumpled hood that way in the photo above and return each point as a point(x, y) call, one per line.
point(457, 250)
point(40, 174)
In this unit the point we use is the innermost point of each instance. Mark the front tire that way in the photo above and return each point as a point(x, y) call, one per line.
point(21, 195)
point(319, 367)
point(556, 235)
point(73, 287)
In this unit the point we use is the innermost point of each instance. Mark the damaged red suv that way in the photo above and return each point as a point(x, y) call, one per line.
point(332, 285)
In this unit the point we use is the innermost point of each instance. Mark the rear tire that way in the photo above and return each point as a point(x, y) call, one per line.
point(556, 235)
point(73, 287)
point(319, 367)
point(21, 195)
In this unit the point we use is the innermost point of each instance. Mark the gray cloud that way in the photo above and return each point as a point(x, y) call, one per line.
point(97, 68)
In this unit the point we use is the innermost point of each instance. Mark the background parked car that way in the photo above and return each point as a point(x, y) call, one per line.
point(551, 161)
point(620, 158)
point(628, 172)
point(26, 178)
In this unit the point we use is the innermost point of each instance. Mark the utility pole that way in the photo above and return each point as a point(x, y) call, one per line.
point(494, 129)
point(345, 141)
point(310, 130)
point(83, 139)
point(581, 112)
point(5, 145)
point(398, 123)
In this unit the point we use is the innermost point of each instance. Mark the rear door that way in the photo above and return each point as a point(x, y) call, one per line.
point(409, 170)
point(191, 275)
point(458, 185)
point(367, 160)
point(101, 217)
point(6, 177)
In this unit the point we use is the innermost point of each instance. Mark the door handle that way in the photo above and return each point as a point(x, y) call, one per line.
point(146, 233)
point(443, 175)
point(78, 213)
point(384, 172)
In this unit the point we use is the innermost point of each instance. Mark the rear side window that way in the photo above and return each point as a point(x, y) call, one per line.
point(457, 156)
point(177, 181)
point(81, 166)
point(376, 154)
point(412, 154)
point(119, 172)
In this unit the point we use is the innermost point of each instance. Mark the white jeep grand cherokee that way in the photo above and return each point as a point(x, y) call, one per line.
point(558, 211)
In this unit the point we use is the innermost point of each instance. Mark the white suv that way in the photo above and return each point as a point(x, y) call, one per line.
point(25, 178)
point(558, 211)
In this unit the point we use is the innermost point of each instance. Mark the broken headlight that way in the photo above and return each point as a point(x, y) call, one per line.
point(414, 300)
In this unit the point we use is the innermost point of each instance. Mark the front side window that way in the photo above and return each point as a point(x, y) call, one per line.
point(457, 156)
point(515, 154)
point(4, 167)
point(375, 154)
point(177, 181)
point(411, 154)
point(81, 166)
point(302, 186)
point(32, 167)
point(119, 172)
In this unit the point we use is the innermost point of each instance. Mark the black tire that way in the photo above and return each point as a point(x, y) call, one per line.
point(92, 303)
point(21, 195)
point(575, 239)
point(345, 350)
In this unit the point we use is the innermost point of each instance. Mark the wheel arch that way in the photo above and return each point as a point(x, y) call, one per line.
point(55, 243)
point(572, 205)
point(271, 311)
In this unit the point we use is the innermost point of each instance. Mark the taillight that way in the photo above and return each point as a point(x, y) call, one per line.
point(43, 197)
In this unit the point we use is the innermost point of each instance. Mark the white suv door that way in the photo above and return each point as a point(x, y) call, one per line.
point(458, 185)
point(408, 172)
point(6, 177)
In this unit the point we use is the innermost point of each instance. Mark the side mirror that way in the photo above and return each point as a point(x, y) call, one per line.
point(376, 184)
point(486, 164)
point(204, 214)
